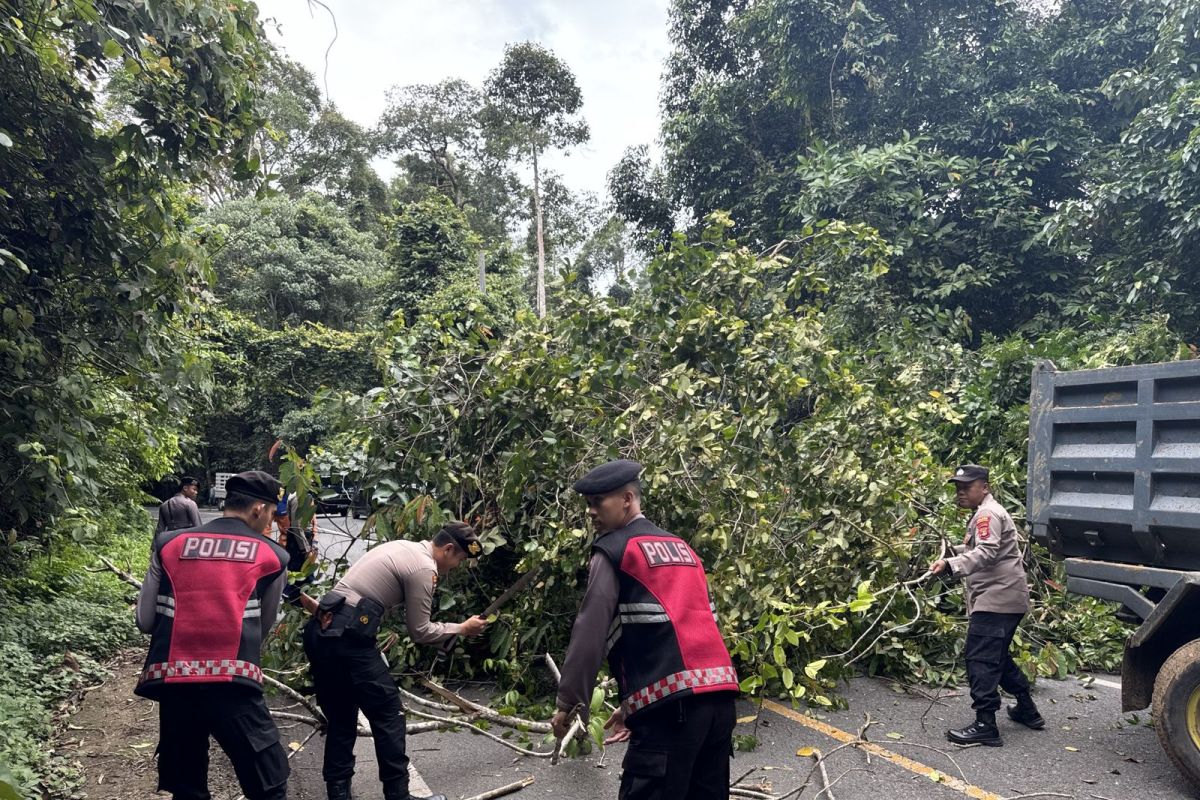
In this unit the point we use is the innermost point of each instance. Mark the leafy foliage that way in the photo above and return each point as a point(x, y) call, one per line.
point(60, 622)
point(284, 262)
point(267, 381)
point(95, 270)
point(310, 146)
point(430, 243)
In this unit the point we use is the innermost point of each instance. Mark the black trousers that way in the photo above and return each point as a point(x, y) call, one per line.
point(351, 675)
point(990, 666)
point(681, 750)
point(237, 718)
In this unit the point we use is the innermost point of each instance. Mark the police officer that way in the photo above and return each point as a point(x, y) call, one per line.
point(210, 596)
point(301, 549)
point(347, 670)
point(992, 566)
point(647, 604)
point(180, 511)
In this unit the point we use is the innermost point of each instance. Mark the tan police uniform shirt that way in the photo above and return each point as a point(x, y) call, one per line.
point(991, 562)
point(400, 572)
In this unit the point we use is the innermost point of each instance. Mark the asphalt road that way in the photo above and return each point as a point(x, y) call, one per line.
point(1089, 750)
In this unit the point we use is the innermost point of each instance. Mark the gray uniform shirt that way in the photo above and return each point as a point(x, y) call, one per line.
point(589, 635)
point(991, 562)
point(177, 512)
point(400, 572)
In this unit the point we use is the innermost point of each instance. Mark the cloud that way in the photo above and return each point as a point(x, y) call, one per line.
point(616, 50)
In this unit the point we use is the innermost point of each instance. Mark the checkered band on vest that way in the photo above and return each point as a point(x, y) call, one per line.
point(678, 682)
point(225, 668)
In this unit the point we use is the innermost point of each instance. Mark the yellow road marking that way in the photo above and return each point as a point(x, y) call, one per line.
point(917, 767)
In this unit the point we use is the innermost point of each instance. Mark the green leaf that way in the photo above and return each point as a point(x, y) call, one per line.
point(814, 667)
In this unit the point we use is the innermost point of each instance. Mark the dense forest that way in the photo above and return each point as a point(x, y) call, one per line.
point(868, 221)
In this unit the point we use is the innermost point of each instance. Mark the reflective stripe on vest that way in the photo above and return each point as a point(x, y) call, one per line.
point(688, 679)
point(165, 605)
point(225, 668)
point(642, 613)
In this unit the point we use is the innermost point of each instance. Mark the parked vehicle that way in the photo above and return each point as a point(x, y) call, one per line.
point(1114, 490)
point(363, 505)
point(336, 495)
point(219, 492)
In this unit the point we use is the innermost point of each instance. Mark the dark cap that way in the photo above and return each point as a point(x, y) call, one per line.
point(464, 536)
point(969, 473)
point(188, 480)
point(257, 484)
point(608, 477)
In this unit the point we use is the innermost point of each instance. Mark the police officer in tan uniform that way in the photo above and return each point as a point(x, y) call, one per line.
point(992, 567)
point(350, 674)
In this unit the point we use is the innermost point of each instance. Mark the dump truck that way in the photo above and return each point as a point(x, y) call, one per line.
point(1114, 491)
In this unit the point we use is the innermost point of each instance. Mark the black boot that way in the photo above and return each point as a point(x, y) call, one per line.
point(982, 731)
point(338, 790)
point(1026, 713)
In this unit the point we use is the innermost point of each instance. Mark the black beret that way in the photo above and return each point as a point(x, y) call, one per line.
point(188, 480)
point(257, 484)
point(608, 477)
point(969, 473)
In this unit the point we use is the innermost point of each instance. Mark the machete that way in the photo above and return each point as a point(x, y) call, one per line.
point(497, 604)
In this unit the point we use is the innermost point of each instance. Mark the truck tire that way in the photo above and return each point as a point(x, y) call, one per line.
point(1176, 707)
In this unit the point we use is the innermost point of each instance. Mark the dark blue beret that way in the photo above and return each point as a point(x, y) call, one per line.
point(608, 477)
point(257, 484)
point(969, 473)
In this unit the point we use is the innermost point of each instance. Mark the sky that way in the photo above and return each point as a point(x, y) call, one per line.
point(616, 50)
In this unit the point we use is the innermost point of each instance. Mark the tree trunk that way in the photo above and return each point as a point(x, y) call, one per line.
point(541, 242)
point(482, 273)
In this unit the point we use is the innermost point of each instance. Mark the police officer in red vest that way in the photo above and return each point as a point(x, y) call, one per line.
point(647, 605)
point(210, 596)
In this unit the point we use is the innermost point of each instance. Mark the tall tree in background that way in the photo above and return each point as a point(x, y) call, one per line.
point(438, 125)
point(532, 103)
point(310, 146)
point(437, 133)
point(640, 196)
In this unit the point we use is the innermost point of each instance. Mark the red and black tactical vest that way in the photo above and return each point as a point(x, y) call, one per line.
point(209, 627)
point(663, 642)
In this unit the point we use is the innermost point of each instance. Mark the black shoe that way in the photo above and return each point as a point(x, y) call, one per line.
point(978, 732)
point(1026, 714)
point(338, 790)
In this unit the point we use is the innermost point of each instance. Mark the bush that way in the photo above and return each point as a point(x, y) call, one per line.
point(61, 621)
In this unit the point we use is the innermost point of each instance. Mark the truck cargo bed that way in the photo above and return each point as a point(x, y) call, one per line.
point(1114, 463)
